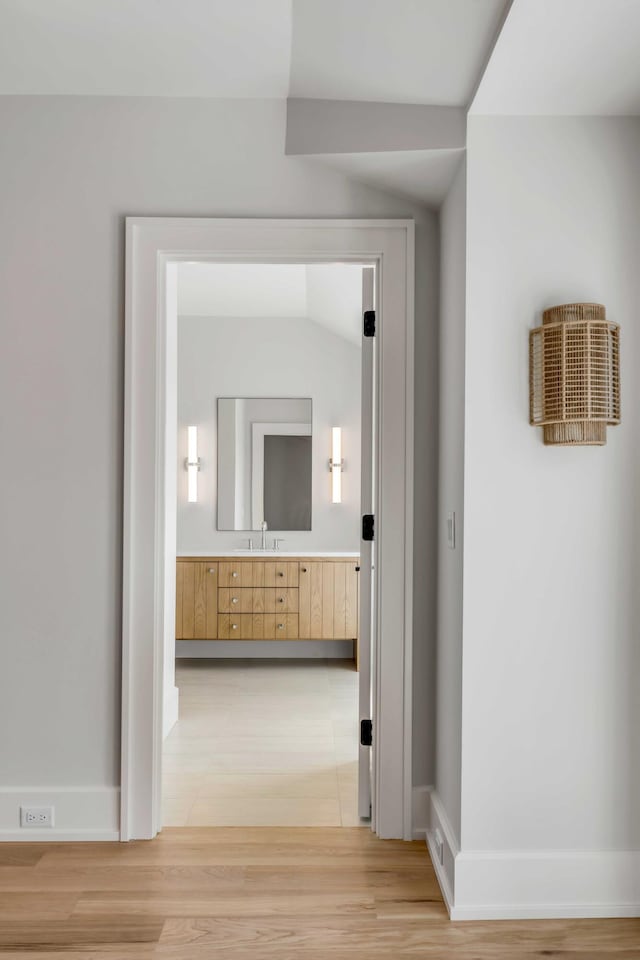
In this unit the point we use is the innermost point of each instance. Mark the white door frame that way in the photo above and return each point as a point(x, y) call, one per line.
point(153, 244)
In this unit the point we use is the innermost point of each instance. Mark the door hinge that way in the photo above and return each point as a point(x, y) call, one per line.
point(369, 323)
point(368, 522)
point(366, 733)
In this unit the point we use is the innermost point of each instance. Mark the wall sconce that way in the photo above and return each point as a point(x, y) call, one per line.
point(192, 464)
point(574, 375)
point(336, 465)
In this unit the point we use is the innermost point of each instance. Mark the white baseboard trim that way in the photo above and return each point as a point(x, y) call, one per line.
point(420, 802)
point(89, 814)
point(530, 884)
point(438, 823)
point(544, 884)
point(170, 709)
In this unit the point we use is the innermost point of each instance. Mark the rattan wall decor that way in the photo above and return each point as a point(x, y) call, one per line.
point(574, 375)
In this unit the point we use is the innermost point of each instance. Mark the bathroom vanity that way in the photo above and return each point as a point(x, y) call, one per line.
point(271, 596)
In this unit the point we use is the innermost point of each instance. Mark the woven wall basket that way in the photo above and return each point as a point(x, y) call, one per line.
point(574, 375)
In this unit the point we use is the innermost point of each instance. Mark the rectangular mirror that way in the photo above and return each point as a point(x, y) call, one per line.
point(264, 463)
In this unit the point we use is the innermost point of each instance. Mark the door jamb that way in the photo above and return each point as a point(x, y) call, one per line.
point(152, 245)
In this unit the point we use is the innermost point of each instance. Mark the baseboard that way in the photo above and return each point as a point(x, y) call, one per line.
point(444, 857)
point(543, 884)
point(79, 813)
point(170, 709)
point(530, 884)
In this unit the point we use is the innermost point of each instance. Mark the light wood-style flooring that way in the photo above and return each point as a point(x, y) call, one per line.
point(263, 743)
point(261, 894)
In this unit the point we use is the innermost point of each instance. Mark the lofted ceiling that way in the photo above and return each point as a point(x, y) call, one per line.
point(565, 57)
point(329, 294)
point(551, 57)
point(414, 51)
point(398, 51)
point(388, 51)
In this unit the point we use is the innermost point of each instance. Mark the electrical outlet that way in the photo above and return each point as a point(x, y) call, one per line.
point(36, 817)
point(439, 845)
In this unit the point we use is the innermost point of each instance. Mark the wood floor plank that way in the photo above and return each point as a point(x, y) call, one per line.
point(37, 905)
point(21, 854)
point(264, 893)
point(342, 937)
point(194, 904)
point(82, 932)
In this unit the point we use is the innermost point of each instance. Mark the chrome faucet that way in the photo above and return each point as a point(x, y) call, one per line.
point(276, 542)
point(263, 537)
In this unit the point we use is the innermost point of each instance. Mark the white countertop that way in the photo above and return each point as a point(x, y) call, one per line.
point(270, 554)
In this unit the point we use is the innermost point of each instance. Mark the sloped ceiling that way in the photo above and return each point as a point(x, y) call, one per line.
point(327, 294)
point(566, 57)
point(418, 51)
point(398, 51)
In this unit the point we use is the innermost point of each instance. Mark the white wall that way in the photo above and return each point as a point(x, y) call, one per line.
point(450, 500)
point(72, 169)
point(269, 358)
point(551, 666)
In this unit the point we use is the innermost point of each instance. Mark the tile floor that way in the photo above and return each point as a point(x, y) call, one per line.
point(263, 743)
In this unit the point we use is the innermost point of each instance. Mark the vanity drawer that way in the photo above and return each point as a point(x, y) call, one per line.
point(261, 573)
point(257, 626)
point(258, 600)
point(236, 600)
point(283, 600)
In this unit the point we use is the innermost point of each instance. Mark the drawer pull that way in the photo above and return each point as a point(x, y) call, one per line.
point(304, 569)
point(234, 626)
point(234, 574)
point(234, 599)
point(280, 599)
point(281, 626)
point(212, 569)
point(280, 573)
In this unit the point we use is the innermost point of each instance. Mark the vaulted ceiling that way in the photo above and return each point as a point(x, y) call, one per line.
point(329, 294)
point(413, 51)
point(494, 56)
point(565, 57)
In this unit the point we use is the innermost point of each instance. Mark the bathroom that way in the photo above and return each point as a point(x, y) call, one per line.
point(262, 723)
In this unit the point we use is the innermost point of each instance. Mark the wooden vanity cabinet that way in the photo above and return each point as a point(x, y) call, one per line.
point(196, 600)
point(328, 600)
point(267, 599)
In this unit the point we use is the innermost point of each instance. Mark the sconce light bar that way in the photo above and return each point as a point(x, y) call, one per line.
point(336, 465)
point(574, 375)
point(192, 464)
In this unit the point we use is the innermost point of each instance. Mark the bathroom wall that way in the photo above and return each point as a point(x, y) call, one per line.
point(258, 357)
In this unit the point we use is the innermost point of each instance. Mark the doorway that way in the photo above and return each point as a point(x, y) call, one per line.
point(269, 573)
point(154, 248)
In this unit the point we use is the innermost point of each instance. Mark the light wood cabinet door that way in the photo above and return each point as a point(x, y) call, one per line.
point(196, 600)
point(310, 600)
point(328, 600)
